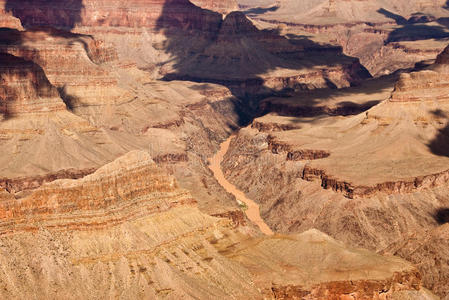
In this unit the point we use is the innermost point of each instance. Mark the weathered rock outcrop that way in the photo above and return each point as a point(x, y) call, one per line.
point(25, 88)
point(129, 229)
point(213, 49)
point(101, 13)
point(73, 63)
point(370, 179)
point(385, 36)
point(20, 184)
point(278, 63)
point(429, 252)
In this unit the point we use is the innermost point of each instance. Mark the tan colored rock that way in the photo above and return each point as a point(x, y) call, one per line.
point(371, 179)
point(223, 7)
point(129, 225)
point(429, 252)
point(385, 36)
point(25, 88)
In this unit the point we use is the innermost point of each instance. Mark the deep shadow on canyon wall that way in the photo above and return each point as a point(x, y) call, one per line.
point(62, 14)
point(57, 18)
point(232, 52)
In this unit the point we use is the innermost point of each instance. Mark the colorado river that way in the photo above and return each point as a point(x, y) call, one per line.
point(252, 211)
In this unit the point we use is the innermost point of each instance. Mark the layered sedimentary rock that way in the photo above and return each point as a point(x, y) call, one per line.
point(125, 228)
point(128, 229)
point(93, 13)
point(428, 251)
point(385, 36)
point(277, 64)
point(370, 179)
point(25, 88)
point(104, 71)
point(201, 46)
point(75, 64)
point(342, 102)
point(45, 139)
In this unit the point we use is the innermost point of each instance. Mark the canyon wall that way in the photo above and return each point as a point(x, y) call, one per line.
point(128, 229)
point(25, 88)
point(371, 179)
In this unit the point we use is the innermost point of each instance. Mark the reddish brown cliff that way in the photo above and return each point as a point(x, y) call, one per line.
point(25, 88)
point(129, 220)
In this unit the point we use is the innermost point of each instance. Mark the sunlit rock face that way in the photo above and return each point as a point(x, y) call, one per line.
point(129, 225)
point(386, 36)
point(109, 111)
point(78, 13)
point(371, 178)
point(223, 7)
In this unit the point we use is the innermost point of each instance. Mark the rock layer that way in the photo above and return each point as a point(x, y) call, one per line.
point(129, 225)
point(25, 88)
point(370, 179)
point(385, 36)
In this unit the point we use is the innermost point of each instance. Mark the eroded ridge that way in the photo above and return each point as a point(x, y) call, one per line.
point(128, 229)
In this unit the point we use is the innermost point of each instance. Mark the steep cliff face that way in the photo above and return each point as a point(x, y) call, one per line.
point(104, 75)
point(25, 88)
point(277, 64)
point(78, 90)
point(385, 36)
point(93, 13)
point(370, 179)
point(127, 225)
point(430, 85)
point(128, 229)
point(75, 64)
point(178, 40)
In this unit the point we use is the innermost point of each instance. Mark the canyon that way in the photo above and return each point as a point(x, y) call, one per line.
point(249, 149)
point(386, 36)
point(128, 230)
point(370, 179)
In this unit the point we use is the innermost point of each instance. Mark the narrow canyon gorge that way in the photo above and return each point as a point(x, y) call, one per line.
point(234, 149)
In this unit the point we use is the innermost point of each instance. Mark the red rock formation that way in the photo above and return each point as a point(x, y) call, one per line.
point(110, 186)
point(394, 187)
point(129, 220)
point(106, 13)
point(14, 185)
point(25, 88)
point(292, 154)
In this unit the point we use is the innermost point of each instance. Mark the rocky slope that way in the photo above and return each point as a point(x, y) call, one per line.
point(386, 36)
point(86, 114)
point(104, 71)
point(128, 230)
point(214, 49)
point(370, 179)
point(81, 86)
point(428, 252)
